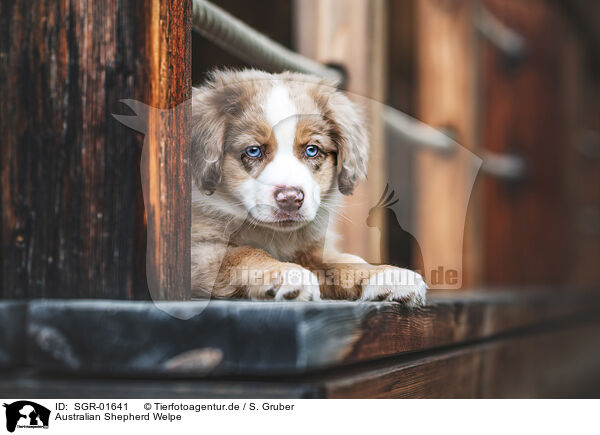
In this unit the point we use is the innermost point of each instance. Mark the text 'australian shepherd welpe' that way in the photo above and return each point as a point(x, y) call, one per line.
point(272, 155)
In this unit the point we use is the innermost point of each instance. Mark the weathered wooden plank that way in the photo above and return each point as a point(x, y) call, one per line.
point(453, 319)
point(581, 160)
point(583, 17)
point(552, 364)
point(250, 338)
point(560, 361)
point(27, 384)
point(12, 333)
point(72, 220)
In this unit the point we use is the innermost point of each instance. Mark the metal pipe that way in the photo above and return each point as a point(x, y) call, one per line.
point(505, 39)
point(505, 166)
point(252, 46)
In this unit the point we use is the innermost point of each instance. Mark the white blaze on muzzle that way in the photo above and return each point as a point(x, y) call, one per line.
point(285, 170)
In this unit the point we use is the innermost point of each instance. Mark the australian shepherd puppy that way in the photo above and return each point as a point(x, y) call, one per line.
point(271, 156)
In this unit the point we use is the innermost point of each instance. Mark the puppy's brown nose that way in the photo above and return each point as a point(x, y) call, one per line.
point(289, 198)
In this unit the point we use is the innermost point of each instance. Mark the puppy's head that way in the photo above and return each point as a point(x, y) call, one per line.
point(276, 145)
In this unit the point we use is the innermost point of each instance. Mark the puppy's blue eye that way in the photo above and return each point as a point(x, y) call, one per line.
point(311, 151)
point(253, 152)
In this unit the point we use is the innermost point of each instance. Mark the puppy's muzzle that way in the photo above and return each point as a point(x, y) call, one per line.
point(289, 199)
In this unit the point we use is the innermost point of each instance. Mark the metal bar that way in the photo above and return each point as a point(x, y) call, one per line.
point(505, 166)
point(510, 43)
point(255, 48)
point(403, 127)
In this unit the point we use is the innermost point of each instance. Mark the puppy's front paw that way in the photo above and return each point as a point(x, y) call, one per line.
point(289, 283)
point(395, 284)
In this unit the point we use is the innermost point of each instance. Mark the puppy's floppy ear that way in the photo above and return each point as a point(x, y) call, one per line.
point(212, 105)
point(349, 132)
point(208, 136)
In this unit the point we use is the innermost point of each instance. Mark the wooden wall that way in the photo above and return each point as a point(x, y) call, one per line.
point(545, 228)
point(73, 221)
point(535, 231)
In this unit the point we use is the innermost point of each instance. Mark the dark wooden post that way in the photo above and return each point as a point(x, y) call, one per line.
point(447, 97)
point(73, 221)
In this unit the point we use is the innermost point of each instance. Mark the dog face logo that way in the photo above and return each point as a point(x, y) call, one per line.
point(26, 414)
point(407, 253)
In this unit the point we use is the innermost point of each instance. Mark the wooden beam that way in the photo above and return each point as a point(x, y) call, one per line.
point(309, 336)
point(447, 99)
point(19, 384)
point(558, 363)
point(584, 16)
point(72, 212)
point(352, 33)
point(12, 333)
point(551, 360)
point(165, 172)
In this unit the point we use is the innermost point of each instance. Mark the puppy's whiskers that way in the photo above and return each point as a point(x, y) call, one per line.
point(336, 214)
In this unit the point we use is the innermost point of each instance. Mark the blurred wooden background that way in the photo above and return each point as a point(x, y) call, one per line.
point(545, 108)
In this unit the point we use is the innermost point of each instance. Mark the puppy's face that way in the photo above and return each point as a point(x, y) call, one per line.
point(275, 146)
point(279, 158)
